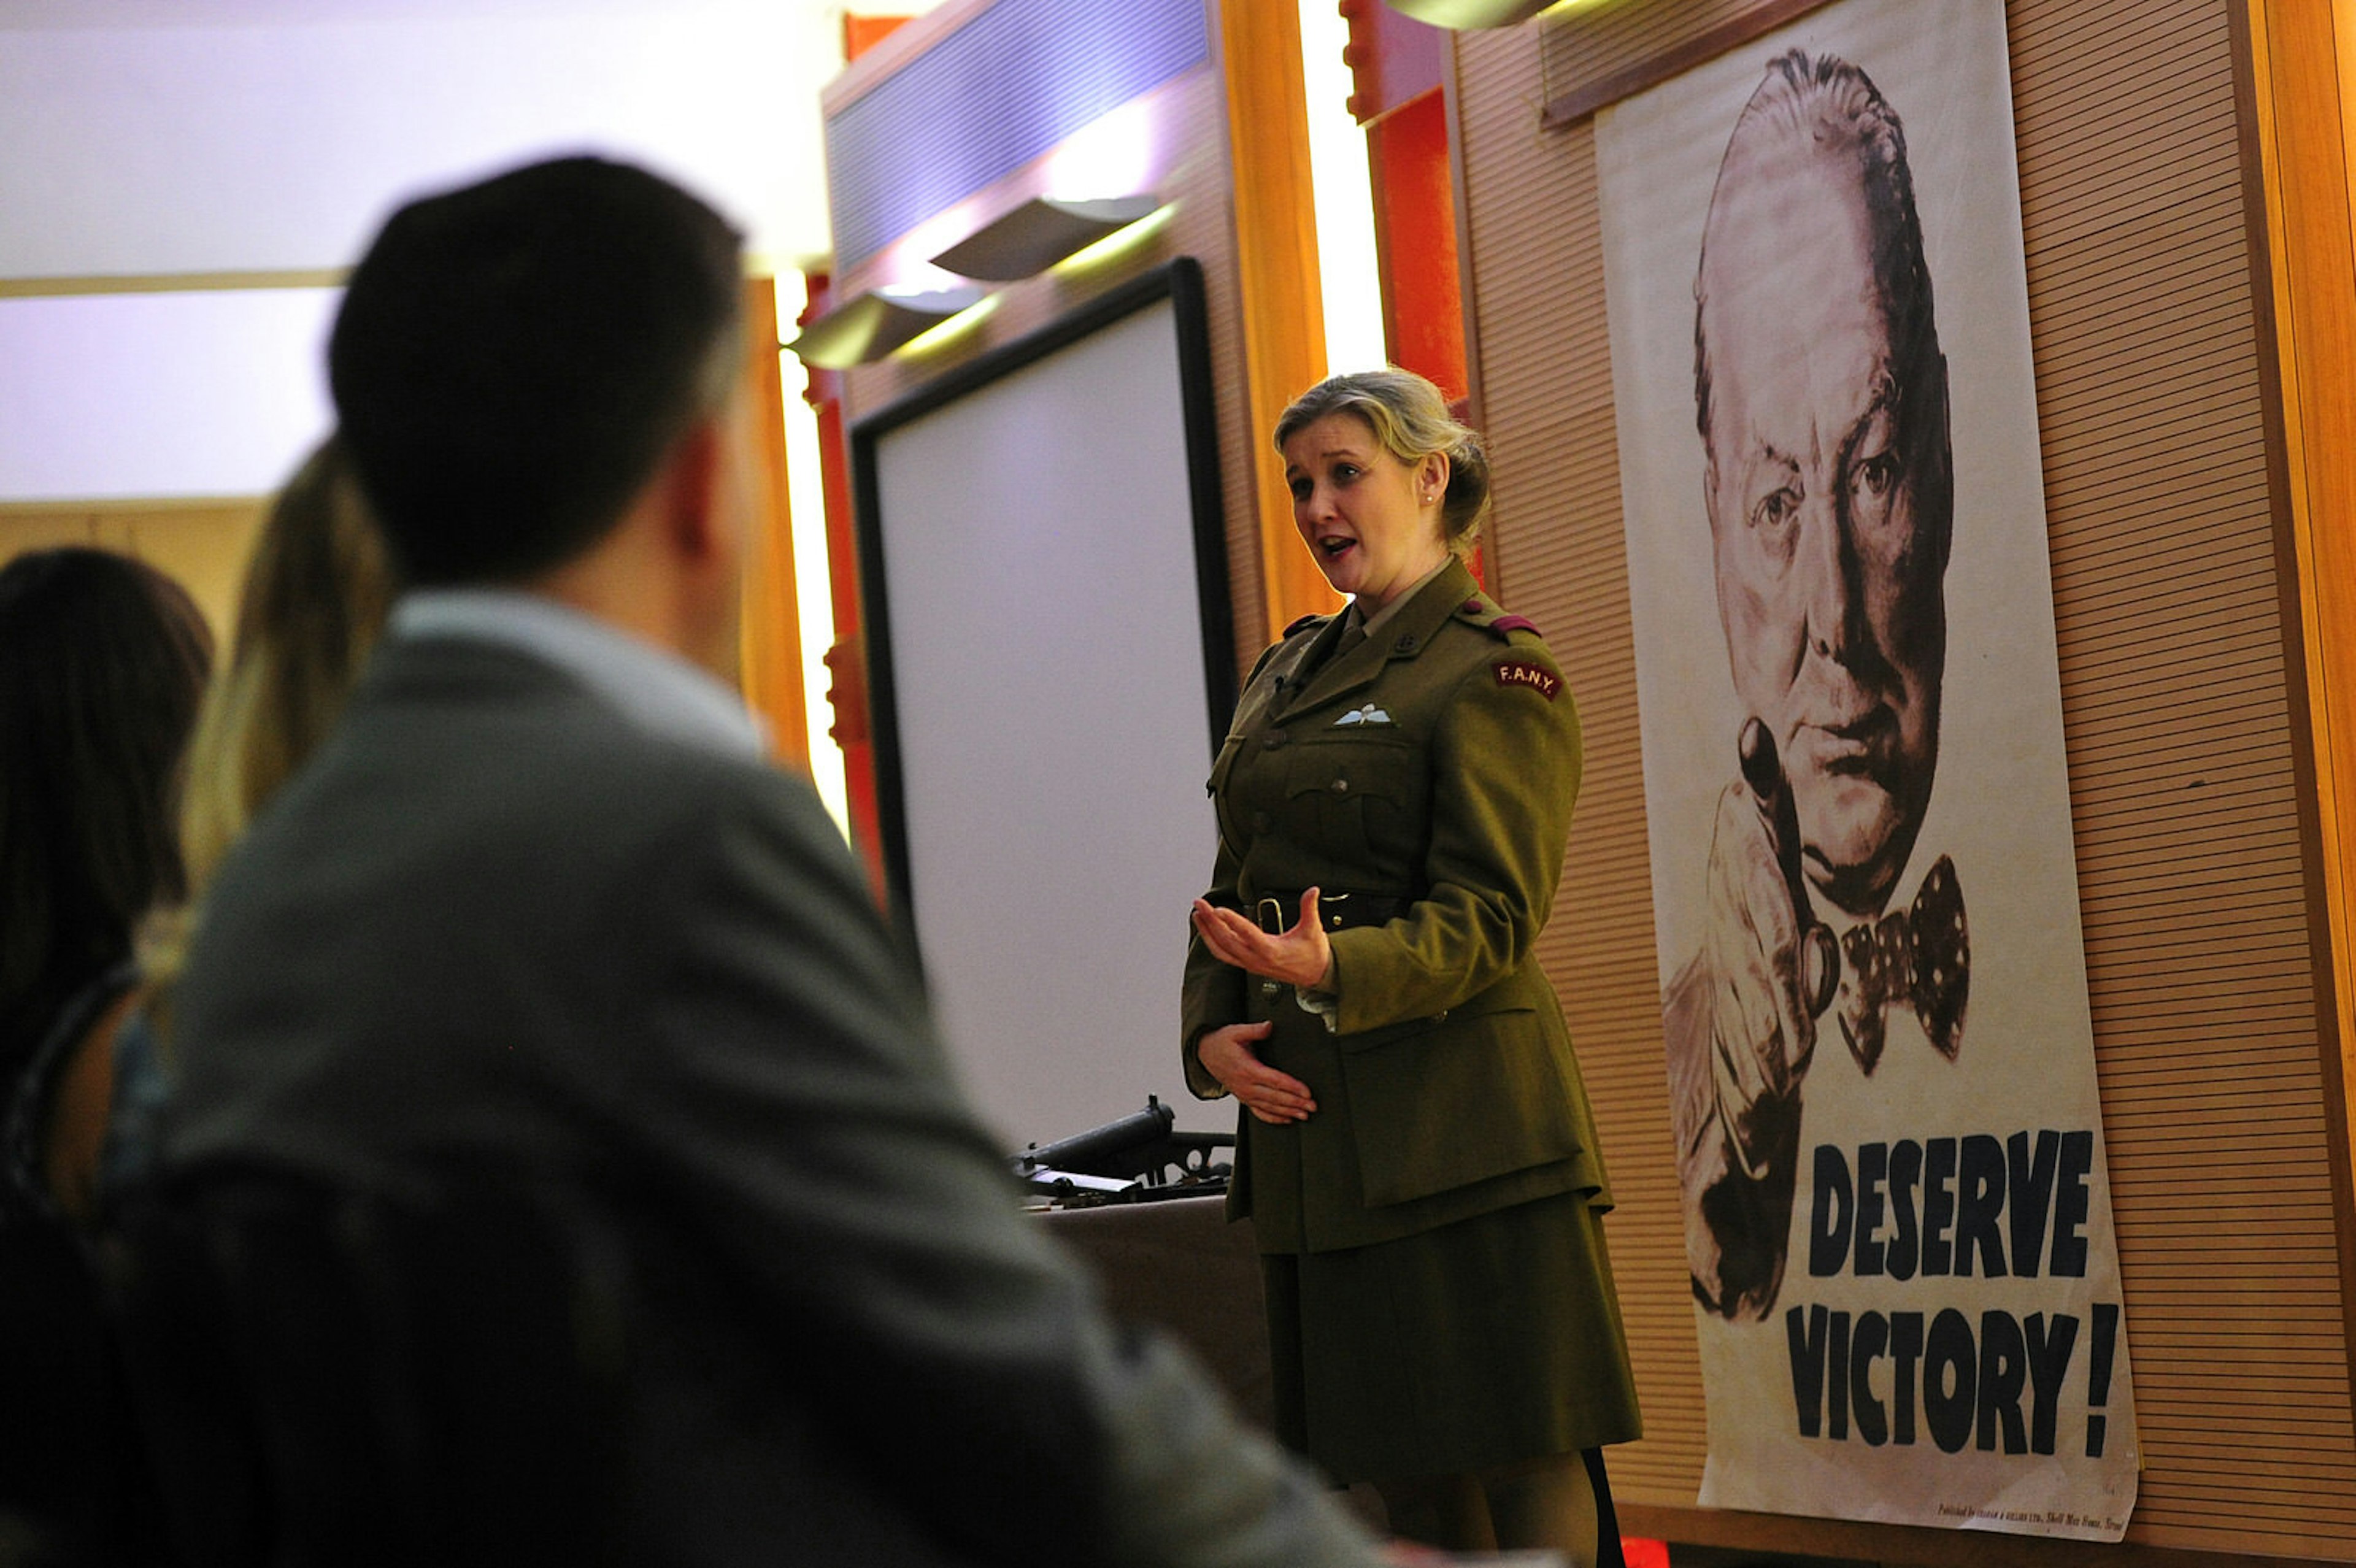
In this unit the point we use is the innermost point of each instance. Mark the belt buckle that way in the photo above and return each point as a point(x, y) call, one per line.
point(1269, 914)
point(1275, 919)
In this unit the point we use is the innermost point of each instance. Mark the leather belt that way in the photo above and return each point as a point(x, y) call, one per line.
point(1276, 912)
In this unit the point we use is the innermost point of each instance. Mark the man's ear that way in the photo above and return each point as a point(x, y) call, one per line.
point(695, 491)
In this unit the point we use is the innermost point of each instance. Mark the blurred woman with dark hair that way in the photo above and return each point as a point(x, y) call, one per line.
point(103, 661)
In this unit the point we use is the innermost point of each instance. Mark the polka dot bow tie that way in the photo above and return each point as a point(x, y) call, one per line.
point(1920, 956)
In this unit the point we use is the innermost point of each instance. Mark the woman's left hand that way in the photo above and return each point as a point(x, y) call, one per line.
point(1301, 957)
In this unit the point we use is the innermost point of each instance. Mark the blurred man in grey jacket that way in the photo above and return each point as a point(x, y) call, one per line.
point(540, 906)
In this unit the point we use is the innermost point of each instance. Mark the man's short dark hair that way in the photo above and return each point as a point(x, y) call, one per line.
point(512, 360)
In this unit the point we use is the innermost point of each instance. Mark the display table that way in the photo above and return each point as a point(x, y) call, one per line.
point(1180, 1266)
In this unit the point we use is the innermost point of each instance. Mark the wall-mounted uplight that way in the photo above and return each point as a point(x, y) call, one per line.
point(1041, 232)
point(867, 328)
point(1109, 251)
point(1462, 14)
point(942, 334)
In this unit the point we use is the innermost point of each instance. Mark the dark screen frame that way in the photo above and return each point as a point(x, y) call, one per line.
point(1180, 281)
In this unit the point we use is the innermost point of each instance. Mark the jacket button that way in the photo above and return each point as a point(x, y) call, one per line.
point(1406, 643)
point(1341, 787)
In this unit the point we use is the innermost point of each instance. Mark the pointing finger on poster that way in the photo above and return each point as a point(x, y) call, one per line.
point(1763, 774)
point(1771, 962)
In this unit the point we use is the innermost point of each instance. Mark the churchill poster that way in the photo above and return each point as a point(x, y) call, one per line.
point(1873, 985)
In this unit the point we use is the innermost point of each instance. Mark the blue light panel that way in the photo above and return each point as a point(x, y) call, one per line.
point(998, 92)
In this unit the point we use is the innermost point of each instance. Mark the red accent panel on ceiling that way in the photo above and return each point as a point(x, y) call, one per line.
point(861, 34)
point(1392, 58)
point(1415, 233)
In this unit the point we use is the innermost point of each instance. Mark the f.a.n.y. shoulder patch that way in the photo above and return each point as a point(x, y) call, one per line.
point(1536, 676)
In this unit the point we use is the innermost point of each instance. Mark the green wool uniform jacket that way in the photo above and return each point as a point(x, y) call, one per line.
point(1428, 774)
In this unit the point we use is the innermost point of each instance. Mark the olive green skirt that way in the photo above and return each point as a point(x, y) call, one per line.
point(1483, 1342)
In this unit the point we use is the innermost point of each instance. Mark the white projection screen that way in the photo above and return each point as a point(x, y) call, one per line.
point(1044, 576)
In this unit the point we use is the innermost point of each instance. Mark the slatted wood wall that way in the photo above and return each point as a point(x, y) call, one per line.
point(2180, 728)
point(1544, 401)
point(1589, 61)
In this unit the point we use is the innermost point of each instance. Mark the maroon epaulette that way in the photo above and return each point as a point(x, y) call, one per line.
point(1484, 613)
point(1302, 624)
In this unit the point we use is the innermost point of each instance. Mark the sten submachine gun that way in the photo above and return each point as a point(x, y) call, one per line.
point(1136, 1159)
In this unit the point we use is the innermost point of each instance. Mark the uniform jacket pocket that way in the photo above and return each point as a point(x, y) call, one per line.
point(1342, 790)
point(1460, 1100)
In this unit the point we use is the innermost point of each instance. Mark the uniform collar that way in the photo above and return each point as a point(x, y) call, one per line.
point(1402, 633)
point(1357, 613)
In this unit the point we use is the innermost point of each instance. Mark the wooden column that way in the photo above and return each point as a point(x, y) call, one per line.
point(771, 648)
point(1276, 237)
point(2304, 120)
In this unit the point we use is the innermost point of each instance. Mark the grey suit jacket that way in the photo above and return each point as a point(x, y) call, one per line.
point(496, 922)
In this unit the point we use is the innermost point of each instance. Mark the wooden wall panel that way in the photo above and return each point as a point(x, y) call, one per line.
point(1588, 60)
point(2183, 775)
point(201, 543)
point(2315, 278)
point(1275, 250)
point(770, 647)
point(2181, 734)
point(1558, 556)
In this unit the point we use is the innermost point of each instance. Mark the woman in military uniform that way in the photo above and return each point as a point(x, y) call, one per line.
point(1416, 1151)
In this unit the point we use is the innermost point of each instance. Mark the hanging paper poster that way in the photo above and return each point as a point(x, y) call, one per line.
point(1873, 986)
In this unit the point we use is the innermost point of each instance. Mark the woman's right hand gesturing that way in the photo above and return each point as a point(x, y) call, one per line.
point(1230, 1056)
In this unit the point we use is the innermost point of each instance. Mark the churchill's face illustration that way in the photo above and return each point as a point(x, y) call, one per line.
point(1828, 501)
